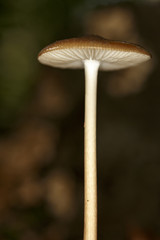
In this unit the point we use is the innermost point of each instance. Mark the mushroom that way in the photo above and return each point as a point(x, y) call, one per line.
point(91, 53)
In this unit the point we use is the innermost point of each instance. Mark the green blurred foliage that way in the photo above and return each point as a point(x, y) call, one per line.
point(129, 130)
point(26, 27)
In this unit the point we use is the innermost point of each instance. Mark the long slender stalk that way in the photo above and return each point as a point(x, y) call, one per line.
point(90, 164)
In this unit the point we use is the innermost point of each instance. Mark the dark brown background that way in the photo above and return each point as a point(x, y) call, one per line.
point(41, 124)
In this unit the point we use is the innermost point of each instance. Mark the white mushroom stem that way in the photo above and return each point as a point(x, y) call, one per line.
point(113, 55)
point(90, 163)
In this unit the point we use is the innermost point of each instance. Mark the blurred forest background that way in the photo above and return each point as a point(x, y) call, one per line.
point(41, 123)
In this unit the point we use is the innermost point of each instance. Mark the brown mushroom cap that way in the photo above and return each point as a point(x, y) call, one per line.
point(112, 55)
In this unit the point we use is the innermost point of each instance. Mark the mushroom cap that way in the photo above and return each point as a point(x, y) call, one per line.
point(112, 55)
